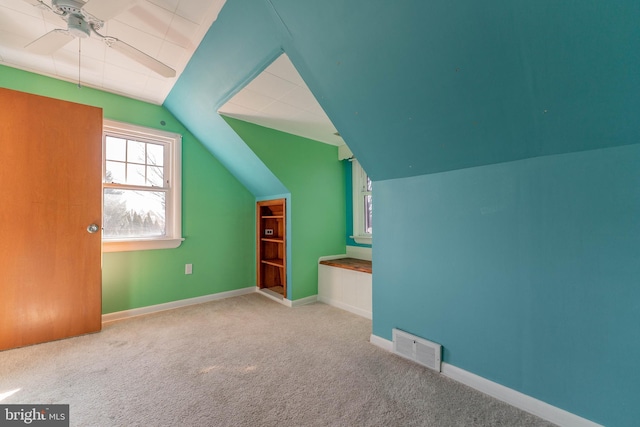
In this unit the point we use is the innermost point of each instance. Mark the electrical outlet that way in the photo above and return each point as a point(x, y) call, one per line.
point(268, 231)
point(188, 269)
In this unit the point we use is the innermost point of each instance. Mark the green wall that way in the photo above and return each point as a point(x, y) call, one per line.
point(315, 177)
point(217, 212)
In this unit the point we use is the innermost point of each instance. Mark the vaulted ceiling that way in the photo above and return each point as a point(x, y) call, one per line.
point(424, 87)
point(168, 31)
point(421, 87)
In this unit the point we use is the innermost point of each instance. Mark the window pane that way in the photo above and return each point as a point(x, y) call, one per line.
point(155, 154)
point(368, 184)
point(115, 172)
point(136, 152)
point(133, 213)
point(368, 214)
point(155, 176)
point(135, 174)
point(116, 148)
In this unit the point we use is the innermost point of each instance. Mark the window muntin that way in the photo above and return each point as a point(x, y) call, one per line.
point(141, 188)
point(134, 162)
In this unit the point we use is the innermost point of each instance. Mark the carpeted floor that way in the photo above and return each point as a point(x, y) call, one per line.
point(244, 361)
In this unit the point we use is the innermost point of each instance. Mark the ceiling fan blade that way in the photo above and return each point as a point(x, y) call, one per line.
point(106, 9)
point(140, 57)
point(33, 2)
point(50, 42)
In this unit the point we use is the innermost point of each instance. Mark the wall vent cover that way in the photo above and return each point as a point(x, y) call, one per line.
point(421, 351)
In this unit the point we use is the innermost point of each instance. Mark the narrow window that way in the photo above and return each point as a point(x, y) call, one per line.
point(362, 205)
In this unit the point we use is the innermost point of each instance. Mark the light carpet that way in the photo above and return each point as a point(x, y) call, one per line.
point(243, 361)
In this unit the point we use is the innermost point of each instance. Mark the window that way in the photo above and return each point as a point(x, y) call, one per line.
point(362, 205)
point(141, 188)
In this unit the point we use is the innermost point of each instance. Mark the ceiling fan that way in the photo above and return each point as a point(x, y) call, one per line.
point(84, 19)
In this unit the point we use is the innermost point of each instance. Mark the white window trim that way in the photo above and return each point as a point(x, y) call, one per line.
point(174, 238)
point(359, 188)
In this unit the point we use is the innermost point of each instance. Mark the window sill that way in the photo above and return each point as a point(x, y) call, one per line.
point(139, 245)
point(363, 240)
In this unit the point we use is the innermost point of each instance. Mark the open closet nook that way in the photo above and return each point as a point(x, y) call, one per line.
point(271, 247)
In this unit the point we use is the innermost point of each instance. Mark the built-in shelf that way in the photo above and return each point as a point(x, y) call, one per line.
point(271, 246)
point(273, 240)
point(275, 262)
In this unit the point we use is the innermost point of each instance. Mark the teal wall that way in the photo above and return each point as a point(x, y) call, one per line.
point(239, 45)
point(314, 175)
point(430, 86)
point(526, 272)
point(447, 85)
point(218, 212)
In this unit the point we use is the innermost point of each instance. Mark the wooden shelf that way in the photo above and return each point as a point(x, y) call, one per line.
point(273, 240)
point(272, 216)
point(277, 262)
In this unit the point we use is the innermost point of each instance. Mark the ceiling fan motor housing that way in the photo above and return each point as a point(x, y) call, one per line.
point(72, 12)
point(79, 27)
point(72, 7)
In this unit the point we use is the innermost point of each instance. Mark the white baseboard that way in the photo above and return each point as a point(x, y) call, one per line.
point(125, 314)
point(304, 301)
point(284, 301)
point(347, 307)
point(512, 397)
point(517, 399)
point(274, 296)
point(381, 342)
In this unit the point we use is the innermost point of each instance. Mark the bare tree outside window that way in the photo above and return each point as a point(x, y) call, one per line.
point(135, 189)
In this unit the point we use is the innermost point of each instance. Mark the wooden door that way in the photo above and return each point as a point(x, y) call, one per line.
point(50, 191)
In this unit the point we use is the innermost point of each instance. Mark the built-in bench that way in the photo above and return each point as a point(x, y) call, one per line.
point(345, 282)
point(354, 264)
